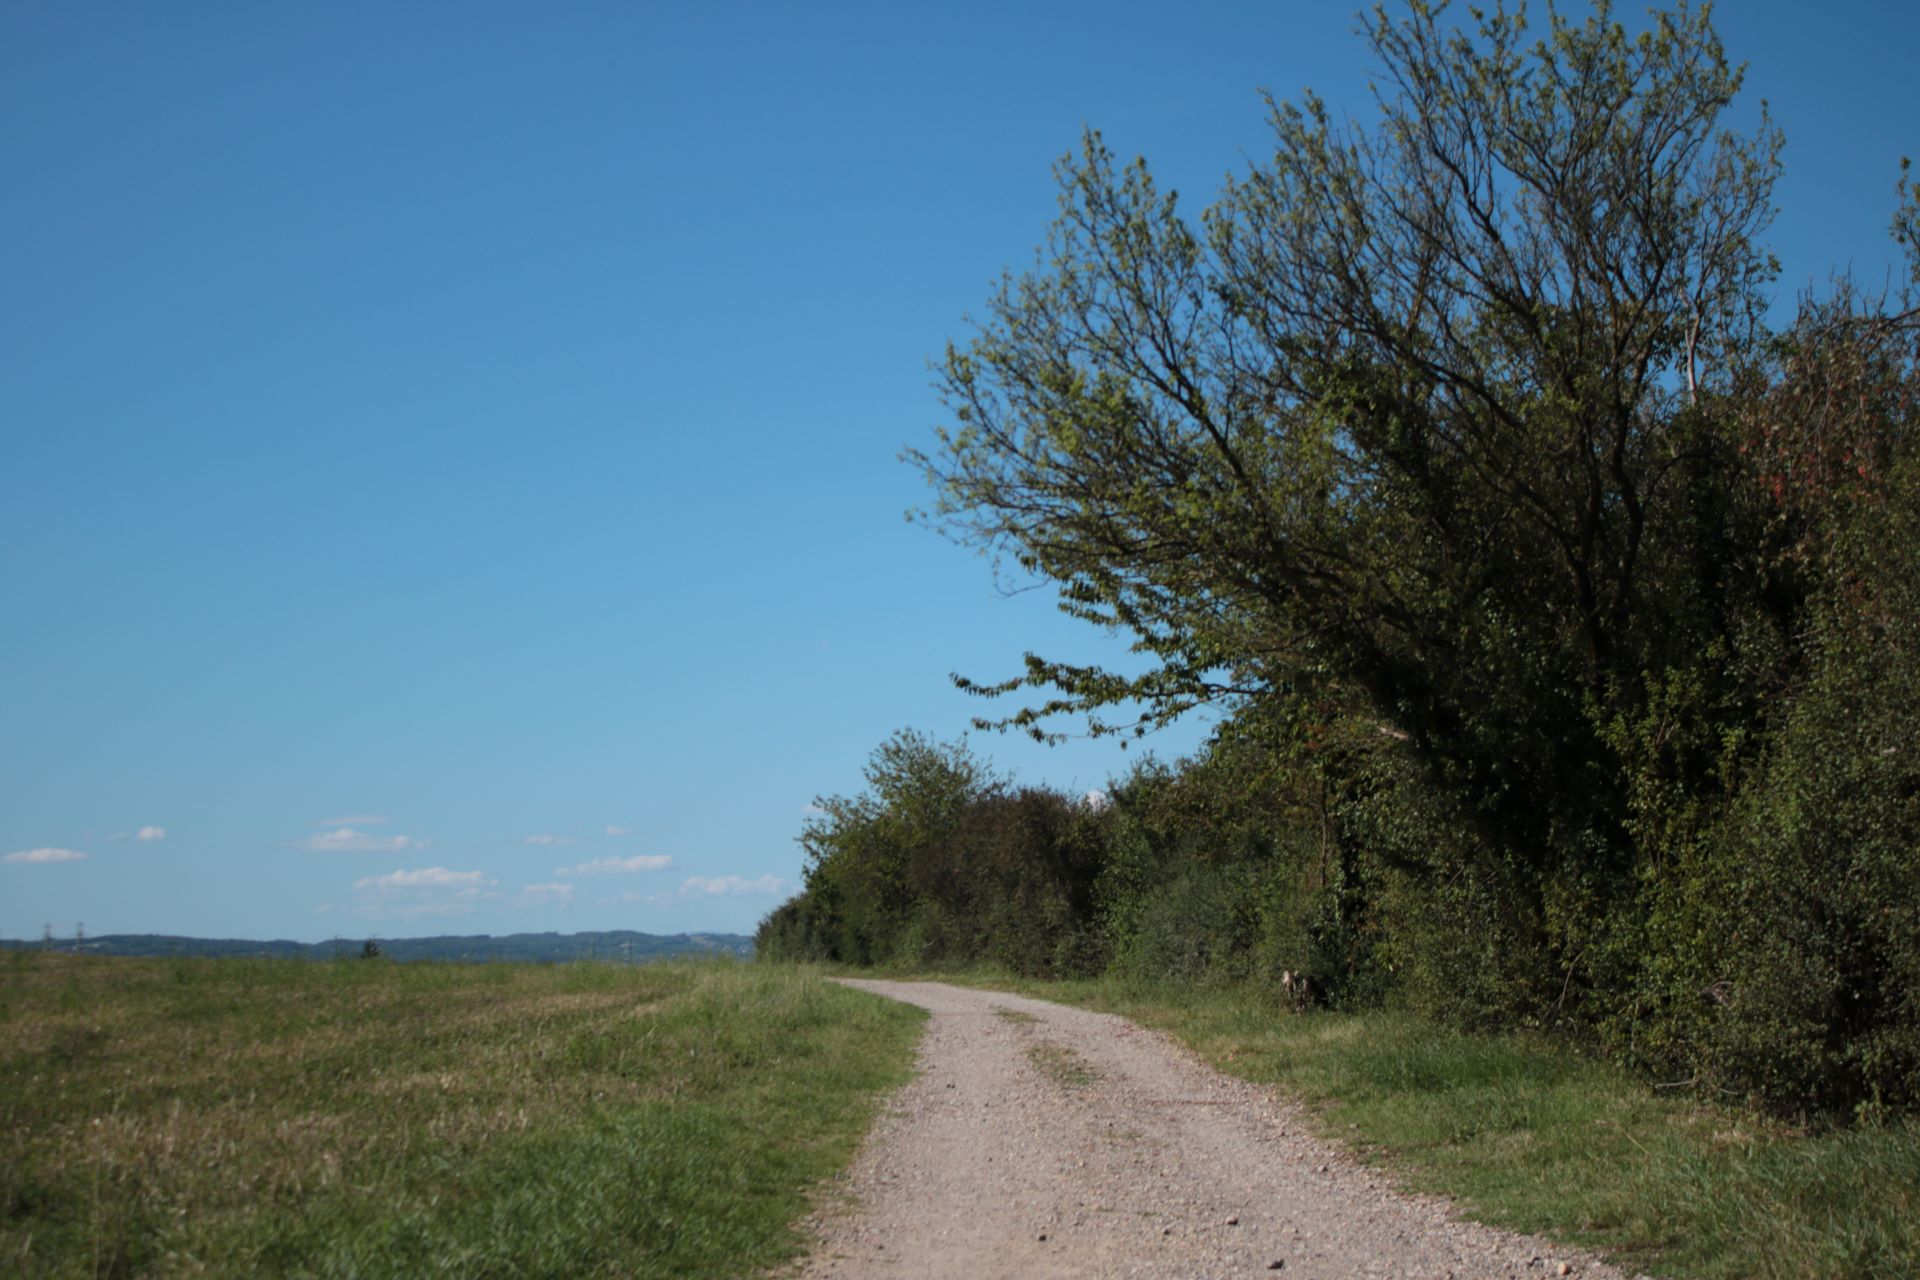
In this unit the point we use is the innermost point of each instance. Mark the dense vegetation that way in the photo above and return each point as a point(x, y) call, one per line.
point(277, 1117)
point(1558, 599)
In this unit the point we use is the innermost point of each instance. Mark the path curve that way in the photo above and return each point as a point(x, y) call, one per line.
point(1041, 1140)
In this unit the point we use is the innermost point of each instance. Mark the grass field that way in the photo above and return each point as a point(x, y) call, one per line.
point(1530, 1135)
point(234, 1117)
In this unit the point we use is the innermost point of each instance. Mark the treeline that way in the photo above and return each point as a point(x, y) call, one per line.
point(1780, 962)
point(1560, 600)
point(1217, 870)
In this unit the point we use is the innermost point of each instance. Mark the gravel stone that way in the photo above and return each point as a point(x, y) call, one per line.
point(1136, 1163)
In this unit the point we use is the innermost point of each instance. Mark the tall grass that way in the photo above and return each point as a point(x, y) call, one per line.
point(1528, 1134)
point(235, 1117)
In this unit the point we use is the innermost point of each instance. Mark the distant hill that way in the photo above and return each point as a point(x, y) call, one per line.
point(617, 944)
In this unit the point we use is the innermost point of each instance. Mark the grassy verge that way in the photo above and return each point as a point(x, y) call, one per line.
point(1529, 1135)
point(236, 1117)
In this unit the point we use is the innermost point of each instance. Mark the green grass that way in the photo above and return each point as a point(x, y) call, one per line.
point(235, 1117)
point(1530, 1135)
point(1061, 1065)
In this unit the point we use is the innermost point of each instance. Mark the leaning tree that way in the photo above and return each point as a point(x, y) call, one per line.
point(1425, 427)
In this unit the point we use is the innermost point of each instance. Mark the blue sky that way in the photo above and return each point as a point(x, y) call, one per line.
point(450, 475)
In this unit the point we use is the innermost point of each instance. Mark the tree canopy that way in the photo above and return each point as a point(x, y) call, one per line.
point(1545, 582)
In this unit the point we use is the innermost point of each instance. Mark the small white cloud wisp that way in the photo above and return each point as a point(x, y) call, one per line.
point(617, 866)
point(733, 885)
point(349, 840)
point(46, 855)
point(545, 895)
point(425, 891)
point(427, 878)
point(547, 839)
point(150, 833)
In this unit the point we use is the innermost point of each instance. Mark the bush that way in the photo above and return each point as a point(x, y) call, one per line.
point(1821, 979)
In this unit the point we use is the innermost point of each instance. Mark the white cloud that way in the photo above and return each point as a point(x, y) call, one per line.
point(714, 885)
point(545, 895)
point(347, 840)
point(813, 811)
point(618, 831)
point(426, 878)
point(546, 839)
point(428, 891)
point(617, 866)
point(150, 833)
point(651, 899)
point(323, 909)
point(355, 820)
point(46, 855)
point(1096, 799)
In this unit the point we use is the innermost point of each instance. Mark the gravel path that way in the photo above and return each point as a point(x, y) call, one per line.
point(1040, 1140)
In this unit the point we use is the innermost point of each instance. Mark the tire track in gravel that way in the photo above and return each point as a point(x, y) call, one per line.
point(1042, 1140)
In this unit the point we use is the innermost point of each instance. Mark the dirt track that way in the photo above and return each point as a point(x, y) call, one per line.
point(1040, 1140)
